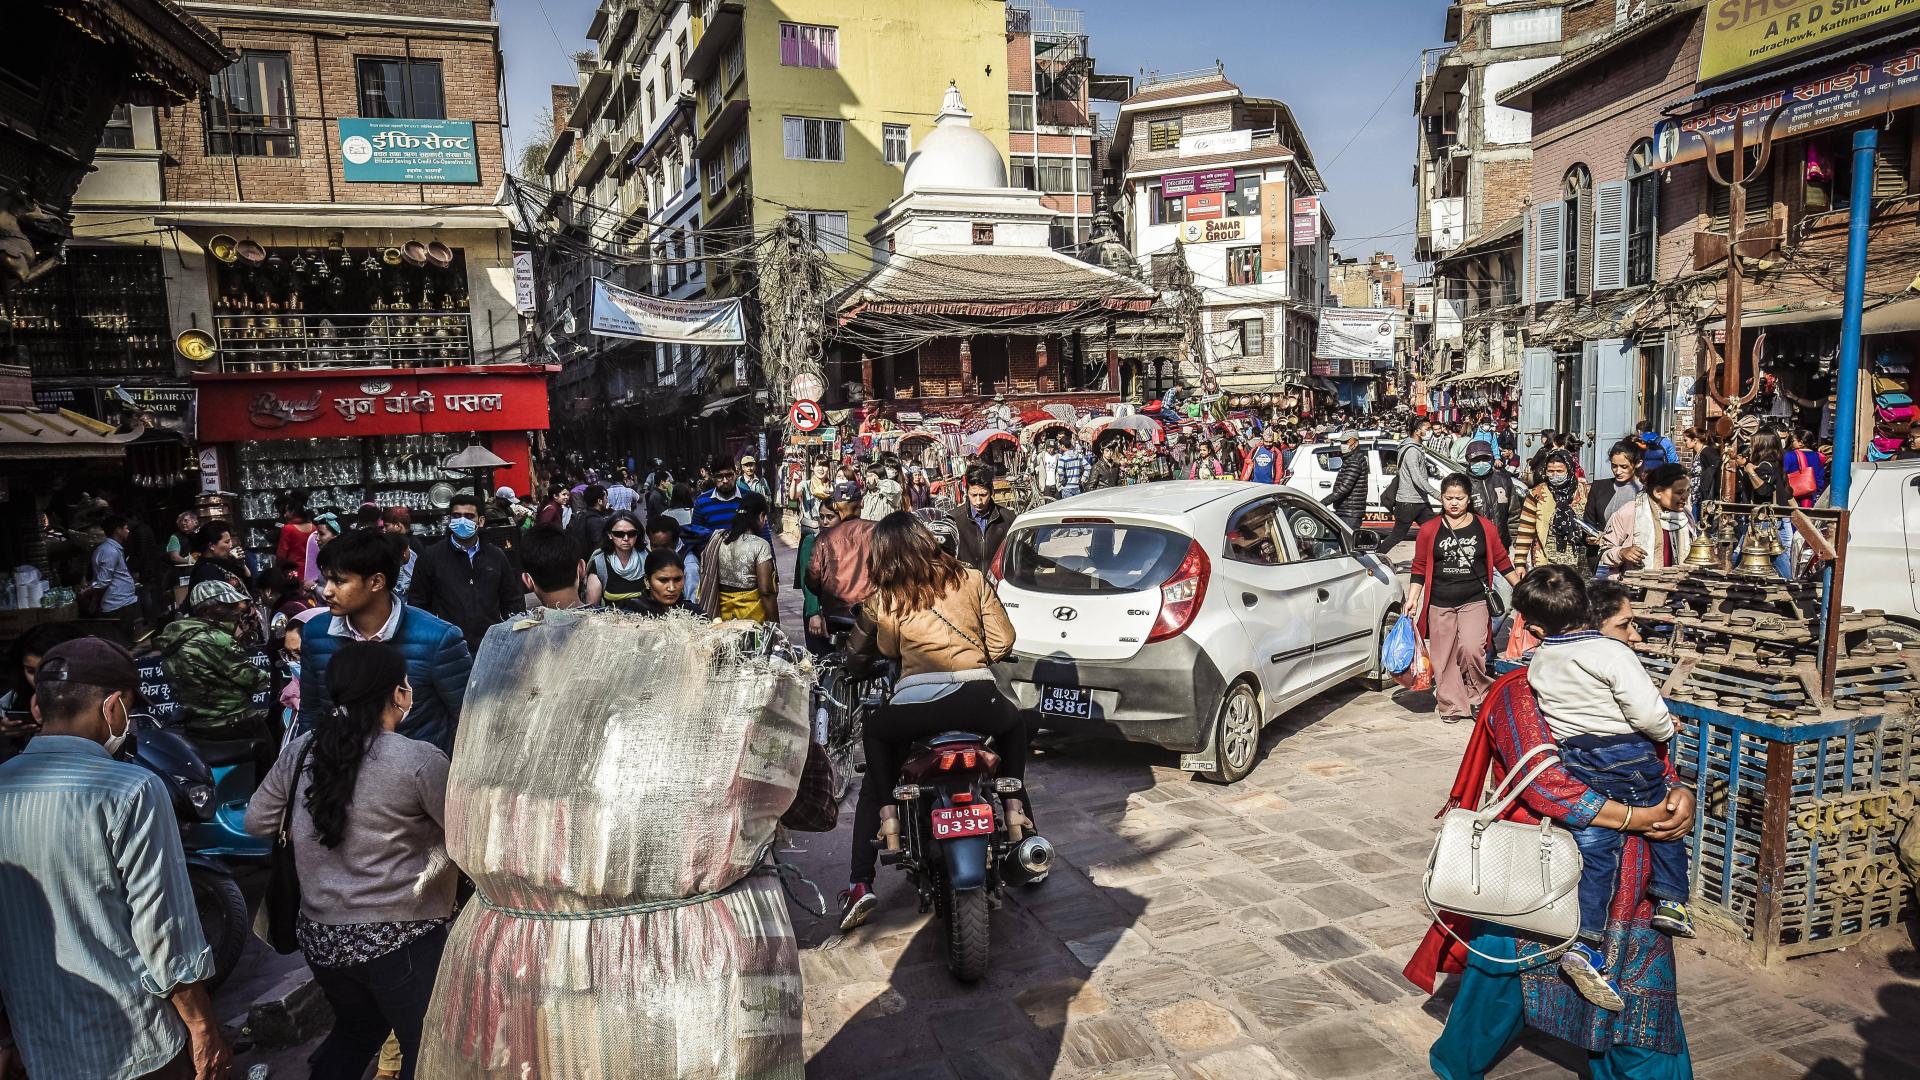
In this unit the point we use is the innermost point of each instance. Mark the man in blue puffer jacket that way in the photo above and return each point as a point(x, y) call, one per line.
point(357, 572)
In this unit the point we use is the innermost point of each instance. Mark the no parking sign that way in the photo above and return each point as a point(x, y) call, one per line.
point(806, 415)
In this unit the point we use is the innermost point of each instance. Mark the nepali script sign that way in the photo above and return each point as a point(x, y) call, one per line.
point(374, 151)
point(1742, 34)
point(1844, 92)
point(1356, 334)
point(623, 313)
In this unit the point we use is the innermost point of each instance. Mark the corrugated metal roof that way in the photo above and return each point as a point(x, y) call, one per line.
point(964, 276)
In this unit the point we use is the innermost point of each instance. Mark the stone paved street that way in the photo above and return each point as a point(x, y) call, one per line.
point(1200, 932)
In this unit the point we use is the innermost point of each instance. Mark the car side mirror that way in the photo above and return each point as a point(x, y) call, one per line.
point(1365, 539)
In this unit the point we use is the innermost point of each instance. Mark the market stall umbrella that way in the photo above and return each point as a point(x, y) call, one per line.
point(979, 440)
point(1052, 423)
point(1141, 427)
point(476, 459)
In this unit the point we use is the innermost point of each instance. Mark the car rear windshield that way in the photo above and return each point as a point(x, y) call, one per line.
point(1092, 558)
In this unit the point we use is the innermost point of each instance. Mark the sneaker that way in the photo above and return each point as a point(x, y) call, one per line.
point(1670, 917)
point(1451, 719)
point(1586, 967)
point(856, 905)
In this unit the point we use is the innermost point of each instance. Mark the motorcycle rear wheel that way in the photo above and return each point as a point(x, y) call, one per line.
point(969, 929)
point(223, 919)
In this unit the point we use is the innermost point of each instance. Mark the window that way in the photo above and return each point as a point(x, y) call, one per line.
point(1244, 199)
point(1889, 163)
point(1252, 536)
point(1578, 189)
point(1315, 536)
point(716, 94)
point(1055, 175)
point(1163, 134)
point(680, 49)
point(983, 233)
point(812, 139)
point(1020, 112)
point(715, 176)
point(1092, 559)
point(1759, 198)
point(734, 64)
point(1251, 334)
point(893, 138)
point(666, 81)
point(826, 228)
point(1067, 234)
point(1643, 200)
point(118, 134)
point(1167, 211)
point(806, 45)
point(249, 110)
point(740, 149)
point(398, 89)
point(1243, 266)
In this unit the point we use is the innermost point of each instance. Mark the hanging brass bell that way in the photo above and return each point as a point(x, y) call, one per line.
point(1756, 560)
point(1702, 552)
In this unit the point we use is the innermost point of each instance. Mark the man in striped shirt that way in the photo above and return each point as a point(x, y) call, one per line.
point(713, 510)
point(102, 962)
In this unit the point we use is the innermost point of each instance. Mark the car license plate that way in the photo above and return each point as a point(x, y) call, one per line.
point(1066, 701)
point(953, 822)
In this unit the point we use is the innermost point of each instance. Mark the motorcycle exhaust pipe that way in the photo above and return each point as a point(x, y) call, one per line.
point(1031, 858)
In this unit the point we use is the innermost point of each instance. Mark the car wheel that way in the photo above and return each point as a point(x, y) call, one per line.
point(1236, 740)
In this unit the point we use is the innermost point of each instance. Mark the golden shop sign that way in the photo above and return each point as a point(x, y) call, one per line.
point(1742, 34)
point(1220, 230)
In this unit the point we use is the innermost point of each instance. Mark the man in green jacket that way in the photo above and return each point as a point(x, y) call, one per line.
point(212, 673)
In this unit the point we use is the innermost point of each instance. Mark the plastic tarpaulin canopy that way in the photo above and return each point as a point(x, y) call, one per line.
point(615, 785)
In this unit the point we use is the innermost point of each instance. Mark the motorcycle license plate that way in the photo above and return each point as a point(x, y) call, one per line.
point(1066, 701)
point(953, 822)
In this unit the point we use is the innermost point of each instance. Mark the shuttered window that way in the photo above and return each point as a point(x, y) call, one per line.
point(1610, 236)
point(1889, 166)
point(1549, 251)
point(1759, 202)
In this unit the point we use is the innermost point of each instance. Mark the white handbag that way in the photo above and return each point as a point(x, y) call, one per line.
point(1524, 877)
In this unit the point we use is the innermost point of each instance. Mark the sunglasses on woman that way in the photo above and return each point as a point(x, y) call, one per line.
point(623, 534)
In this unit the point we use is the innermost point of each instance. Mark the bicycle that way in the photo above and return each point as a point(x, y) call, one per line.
point(845, 690)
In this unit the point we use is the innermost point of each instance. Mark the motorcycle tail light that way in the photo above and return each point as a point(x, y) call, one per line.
point(967, 758)
point(946, 760)
point(961, 798)
point(1182, 594)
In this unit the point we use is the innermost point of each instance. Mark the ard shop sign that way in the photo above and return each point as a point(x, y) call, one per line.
point(374, 151)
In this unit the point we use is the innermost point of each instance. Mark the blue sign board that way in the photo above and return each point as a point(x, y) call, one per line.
point(376, 151)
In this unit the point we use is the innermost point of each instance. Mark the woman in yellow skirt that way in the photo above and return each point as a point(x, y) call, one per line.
point(742, 560)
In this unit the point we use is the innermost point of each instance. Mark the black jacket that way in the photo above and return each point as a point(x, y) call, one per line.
point(1495, 498)
point(1103, 474)
point(974, 549)
point(1348, 499)
point(472, 594)
point(588, 529)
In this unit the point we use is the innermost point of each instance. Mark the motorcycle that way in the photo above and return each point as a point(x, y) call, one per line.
point(210, 830)
point(956, 844)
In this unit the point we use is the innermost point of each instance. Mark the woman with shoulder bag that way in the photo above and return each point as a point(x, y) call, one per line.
point(943, 622)
point(1451, 593)
point(367, 830)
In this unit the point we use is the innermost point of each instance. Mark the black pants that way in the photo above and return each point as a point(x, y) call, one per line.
point(387, 993)
point(977, 707)
point(1406, 516)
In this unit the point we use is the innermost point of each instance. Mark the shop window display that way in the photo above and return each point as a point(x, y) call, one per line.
point(391, 470)
point(284, 309)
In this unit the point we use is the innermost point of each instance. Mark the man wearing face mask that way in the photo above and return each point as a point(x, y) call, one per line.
point(205, 656)
point(466, 581)
point(1493, 489)
point(98, 931)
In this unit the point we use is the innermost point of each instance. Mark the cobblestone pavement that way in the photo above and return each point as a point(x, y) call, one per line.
point(1231, 933)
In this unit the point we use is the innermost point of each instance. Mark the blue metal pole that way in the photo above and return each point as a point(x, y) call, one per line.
point(1847, 385)
point(1847, 378)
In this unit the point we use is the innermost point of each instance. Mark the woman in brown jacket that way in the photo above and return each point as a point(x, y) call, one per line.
point(944, 624)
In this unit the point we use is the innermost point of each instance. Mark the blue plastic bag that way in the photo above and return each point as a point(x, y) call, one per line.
point(1403, 644)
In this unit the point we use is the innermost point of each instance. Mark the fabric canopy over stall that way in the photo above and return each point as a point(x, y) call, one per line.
point(980, 440)
point(33, 435)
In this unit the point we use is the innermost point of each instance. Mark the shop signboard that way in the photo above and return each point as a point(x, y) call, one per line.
point(1356, 334)
point(1742, 34)
point(1846, 91)
point(1205, 181)
point(336, 404)
point(1205, 207)
point(623, 313)
point(1423, 306)
point(1220, 230)
point(1216, 142)
point(523, 282)
point(1274, 226)
point(1306, 221)
point(382, 151)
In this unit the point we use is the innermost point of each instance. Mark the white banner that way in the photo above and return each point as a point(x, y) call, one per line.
point(623, 313)
point(1355, 334)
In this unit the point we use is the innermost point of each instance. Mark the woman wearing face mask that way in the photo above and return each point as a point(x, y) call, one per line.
point(615, 576)
point(1653, 530)
point(666, 581)
point(1550, 530)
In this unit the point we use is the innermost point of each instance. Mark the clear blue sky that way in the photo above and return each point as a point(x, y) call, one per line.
point(1333, 61)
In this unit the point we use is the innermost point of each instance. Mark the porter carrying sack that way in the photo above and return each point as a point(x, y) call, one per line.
point(1522, 877)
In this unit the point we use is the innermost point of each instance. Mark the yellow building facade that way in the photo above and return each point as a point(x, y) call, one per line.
point(812, 107)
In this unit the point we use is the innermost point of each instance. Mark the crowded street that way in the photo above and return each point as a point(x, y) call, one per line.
point(860, 540)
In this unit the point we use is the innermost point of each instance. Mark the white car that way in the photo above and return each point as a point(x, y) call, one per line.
point(1883, 550)
point(1187, 614)
point(1315, 465)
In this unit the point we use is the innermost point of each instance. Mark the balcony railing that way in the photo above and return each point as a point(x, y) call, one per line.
point(282, 342)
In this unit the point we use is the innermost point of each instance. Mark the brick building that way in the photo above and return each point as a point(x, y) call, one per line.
point(1627, 236)
point(1211, 174)
point(1055, 144)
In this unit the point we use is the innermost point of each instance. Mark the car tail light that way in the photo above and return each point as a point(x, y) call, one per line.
point(1181, 595)
point(995, 569)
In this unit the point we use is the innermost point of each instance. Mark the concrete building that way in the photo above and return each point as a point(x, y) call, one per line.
point(1221, 178)
point(1473, 170)
point(1377, 283)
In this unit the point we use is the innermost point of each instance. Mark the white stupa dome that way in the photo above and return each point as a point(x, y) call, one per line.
point(954, 155)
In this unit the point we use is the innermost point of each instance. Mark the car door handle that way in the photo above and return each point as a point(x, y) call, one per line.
point(1322, 595)
point(1249, 599)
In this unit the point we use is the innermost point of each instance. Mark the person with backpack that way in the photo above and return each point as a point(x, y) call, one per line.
point(1655, 449)
point(1413, 488)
